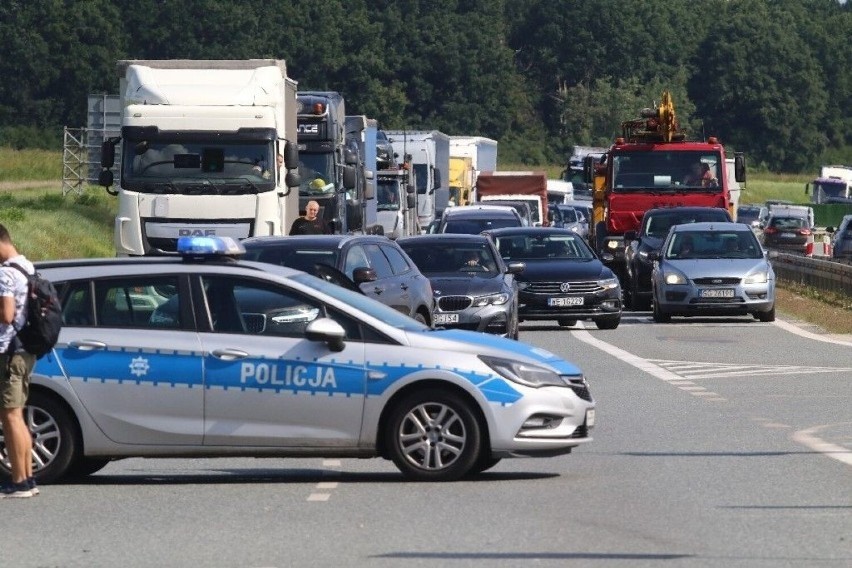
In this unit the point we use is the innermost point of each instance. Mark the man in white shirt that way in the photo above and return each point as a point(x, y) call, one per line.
point(16, 366)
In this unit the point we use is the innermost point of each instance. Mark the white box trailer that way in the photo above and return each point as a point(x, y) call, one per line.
point(482, 152)
point(208, 147)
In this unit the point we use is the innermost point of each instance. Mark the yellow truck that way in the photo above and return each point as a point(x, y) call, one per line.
point(461, 180)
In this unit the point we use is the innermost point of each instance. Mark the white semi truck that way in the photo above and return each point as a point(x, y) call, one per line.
point(429, 152)
point(208, 147)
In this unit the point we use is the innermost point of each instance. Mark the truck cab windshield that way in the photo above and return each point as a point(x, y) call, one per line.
point(388, 195)
point(317, 173)
point(162, 165)
point(666, 170)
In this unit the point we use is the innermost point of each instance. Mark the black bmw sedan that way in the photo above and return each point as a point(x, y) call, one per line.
point(563, 279)
point(474, 289)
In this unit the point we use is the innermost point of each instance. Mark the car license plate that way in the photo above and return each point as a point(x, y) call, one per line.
point(575, 301)
point(590, 417)
point(788, 235)
point(446, 318)
point(719, 293)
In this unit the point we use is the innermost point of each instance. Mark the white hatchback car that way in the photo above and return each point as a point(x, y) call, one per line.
point(208, 355)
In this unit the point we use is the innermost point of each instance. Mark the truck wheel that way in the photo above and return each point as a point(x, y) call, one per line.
point(640, 303)
point(433, 435)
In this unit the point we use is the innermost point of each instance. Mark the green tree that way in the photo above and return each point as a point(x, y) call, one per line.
point(769, 101)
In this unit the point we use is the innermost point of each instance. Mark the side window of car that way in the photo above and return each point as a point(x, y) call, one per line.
point(244, 306)
point(355, 258)
point(77, 305)
point(398, 263)
point(378, 261)
point(137, 302)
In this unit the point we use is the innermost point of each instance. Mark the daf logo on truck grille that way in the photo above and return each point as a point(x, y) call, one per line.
point(196, 232)
point(565, 287)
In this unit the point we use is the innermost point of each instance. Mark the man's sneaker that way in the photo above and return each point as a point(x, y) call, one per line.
point(16, 490)
point(33, 486)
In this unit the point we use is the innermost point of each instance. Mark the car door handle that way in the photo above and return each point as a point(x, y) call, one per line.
point(87, 345)
point(378, 290)
point(229, 354)
point(404, 286)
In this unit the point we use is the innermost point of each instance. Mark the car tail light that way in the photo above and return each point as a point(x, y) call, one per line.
point(770, 230)
point(804, 232)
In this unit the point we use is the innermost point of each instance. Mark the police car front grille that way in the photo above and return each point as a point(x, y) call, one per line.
point(556, 287)
point(454, 303)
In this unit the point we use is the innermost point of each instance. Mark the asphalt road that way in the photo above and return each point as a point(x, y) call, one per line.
point(720, 442)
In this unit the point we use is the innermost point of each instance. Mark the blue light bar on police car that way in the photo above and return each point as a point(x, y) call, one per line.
point(209, 246)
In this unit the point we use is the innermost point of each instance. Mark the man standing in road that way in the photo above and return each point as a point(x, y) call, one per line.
point(310, 224)
point(16, 366)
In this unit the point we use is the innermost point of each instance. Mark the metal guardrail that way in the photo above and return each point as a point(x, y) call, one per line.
point(822, 274)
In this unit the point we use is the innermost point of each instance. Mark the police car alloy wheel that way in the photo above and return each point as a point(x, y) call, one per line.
point(54, 438)
point(434, 436)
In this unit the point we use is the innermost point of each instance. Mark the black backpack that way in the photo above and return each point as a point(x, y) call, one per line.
point(44, 315)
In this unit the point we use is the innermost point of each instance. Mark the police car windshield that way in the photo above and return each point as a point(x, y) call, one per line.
point(361, 303)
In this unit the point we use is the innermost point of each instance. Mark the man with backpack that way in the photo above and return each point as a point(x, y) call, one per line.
point(16, 366)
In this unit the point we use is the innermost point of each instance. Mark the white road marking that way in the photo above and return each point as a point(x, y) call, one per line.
point(809, 439)
point(319, 497)
point(786, 326)
point(331, 463)
point(696, 370)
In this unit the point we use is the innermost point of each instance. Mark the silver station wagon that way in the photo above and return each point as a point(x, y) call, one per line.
point(208, 355)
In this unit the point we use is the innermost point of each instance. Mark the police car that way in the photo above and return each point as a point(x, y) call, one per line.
point(209, 355)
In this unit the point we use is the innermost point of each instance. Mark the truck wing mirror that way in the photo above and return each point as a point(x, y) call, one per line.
point(292, 179)
point(108, 153)
point(105, 178)
point(739, 167)
point(411, 201)
point(589, 169)
point(807, 188)
point(350, 157)
point(291, 156)
point(350, 177)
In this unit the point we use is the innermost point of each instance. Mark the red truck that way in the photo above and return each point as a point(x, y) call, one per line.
point(653, 165)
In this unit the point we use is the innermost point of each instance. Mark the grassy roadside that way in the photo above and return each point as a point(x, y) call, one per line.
point(47, 225)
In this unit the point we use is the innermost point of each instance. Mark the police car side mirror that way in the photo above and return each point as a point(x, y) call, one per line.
point(328, 331)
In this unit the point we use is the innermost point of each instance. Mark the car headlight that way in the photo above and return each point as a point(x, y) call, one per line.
point(608, 283)
point(574, 228)
point(757, 278)
point(675, 278)
point(495, 299)
point(612, 245)
point(525, 374)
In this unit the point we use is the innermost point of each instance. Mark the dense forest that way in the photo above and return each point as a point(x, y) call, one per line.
point(772, 78)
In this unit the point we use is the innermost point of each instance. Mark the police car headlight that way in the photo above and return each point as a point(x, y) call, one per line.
point(675, 278)
point(758, 278)
point(608, 283)
point(495, 299)
point(524, 373)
